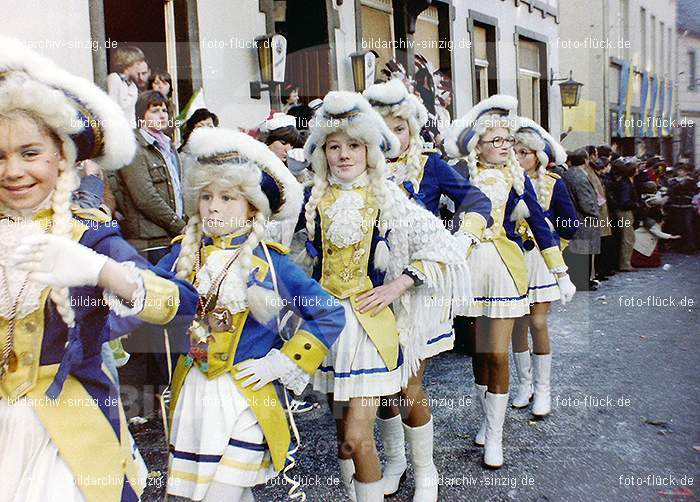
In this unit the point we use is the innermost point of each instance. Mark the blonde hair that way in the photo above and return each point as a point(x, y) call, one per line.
point(413, 154)
point(533, 141)
point(377, 172)
point(239, 179)
point(483, 124)
point(125, 56)
point(67, 182)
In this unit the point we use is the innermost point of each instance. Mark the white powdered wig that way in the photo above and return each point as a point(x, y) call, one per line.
point(236, 161)
point(98, 111)
point(533, 136)
point(457, 142)
point(85, 120)
point(351, 113)
point(392, 99)
point(557, 154)
point(494, 112)
point(212, 141)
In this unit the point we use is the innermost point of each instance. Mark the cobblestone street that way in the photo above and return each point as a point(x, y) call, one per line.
point(625, 395)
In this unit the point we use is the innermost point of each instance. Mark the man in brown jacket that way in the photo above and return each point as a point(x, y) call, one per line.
point(150, 195)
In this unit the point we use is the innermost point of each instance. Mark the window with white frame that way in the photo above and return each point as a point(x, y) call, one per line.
point(529, 79)
point(481, 64)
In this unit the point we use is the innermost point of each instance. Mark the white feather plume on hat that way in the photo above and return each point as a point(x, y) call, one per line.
point(99, 128)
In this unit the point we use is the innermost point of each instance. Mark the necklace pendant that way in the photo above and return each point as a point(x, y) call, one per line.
point(198, 333)
point(220, 319)
point(12, 363)
point(346, 275)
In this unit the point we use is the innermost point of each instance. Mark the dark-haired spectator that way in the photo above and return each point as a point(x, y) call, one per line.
point(290, 98)
point(129, 69)
point(604, 151)
point(280, 134)
point(162, 82)
point(593, 171)
point(626, 201)
point(151, 198)
point(200, 118)
point(681, 216)
point(646, 238)
point(585, 245)
point(592, 152)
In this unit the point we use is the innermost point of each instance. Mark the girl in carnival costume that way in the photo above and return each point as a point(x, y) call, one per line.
point(63, 270)
point(424, 177)
point(499, 273)
point(229, 432)
point(391, 264)
point(535, 149)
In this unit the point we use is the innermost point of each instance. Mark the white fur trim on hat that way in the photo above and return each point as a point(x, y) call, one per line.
point(506, 105)
point(557, 149)
point(392, 98)
point(278, 121)
point(212, 142)
point(350, 112)
point(118, 143)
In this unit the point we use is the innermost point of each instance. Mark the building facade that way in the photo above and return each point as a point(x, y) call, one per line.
point(689, 79)
point(500, 46)
point(628, 51)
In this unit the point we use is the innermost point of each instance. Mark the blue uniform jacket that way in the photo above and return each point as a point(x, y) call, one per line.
point(70, 364)
point(439, 178)
point(321, 314)
point(540, 230)
point(561, 212)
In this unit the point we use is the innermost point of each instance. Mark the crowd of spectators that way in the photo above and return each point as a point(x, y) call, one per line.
point(631, 209)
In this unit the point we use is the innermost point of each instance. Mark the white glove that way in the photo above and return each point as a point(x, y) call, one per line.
point(296, 162)
point(656, 231)
point(566, 288)
point(58, 262)
point(274, 366)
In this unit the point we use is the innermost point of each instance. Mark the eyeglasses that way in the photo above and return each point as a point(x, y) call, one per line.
point(498, 141)
point(522, 152)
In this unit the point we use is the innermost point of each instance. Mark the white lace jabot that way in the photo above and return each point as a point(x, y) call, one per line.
point(11, 234)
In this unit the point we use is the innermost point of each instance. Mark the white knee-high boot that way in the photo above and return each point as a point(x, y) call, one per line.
point(369, 492)
point(524, 390)
point(393, 444)
point(495, 405)
point(479, 396)
point(420, 440)
point(347, 475)
point(542, 403)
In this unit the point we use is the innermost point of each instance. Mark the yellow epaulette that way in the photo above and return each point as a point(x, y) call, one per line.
point(430, 150)
point(553, 175)
point(92, 214)
point(177, 239)
point(280, 248)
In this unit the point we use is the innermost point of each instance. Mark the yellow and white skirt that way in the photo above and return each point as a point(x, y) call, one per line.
point(215, 436)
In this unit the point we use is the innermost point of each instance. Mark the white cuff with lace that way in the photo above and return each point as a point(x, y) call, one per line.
point(117, 304)
point(291, 376)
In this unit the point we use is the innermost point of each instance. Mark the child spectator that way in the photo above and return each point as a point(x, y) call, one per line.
point(129, 65)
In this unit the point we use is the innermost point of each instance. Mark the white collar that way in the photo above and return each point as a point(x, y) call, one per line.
point(26, 214)
point(361, 181)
